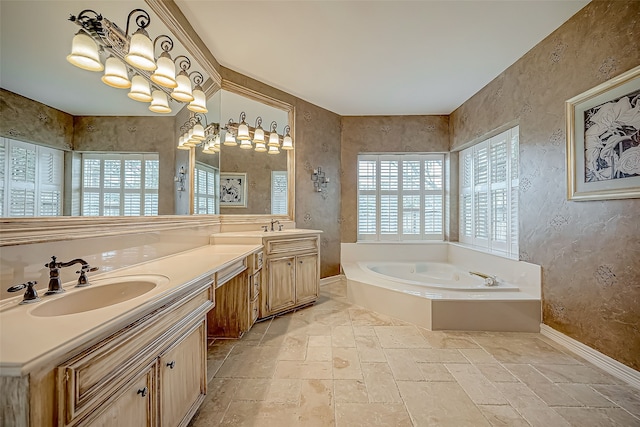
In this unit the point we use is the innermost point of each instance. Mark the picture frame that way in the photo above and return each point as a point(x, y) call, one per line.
point(603, 140)
point(233, 190)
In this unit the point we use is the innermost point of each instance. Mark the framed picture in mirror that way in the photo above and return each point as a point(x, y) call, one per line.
point(233, 190)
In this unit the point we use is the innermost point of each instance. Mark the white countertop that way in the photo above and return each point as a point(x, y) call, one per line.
point(249, 237)
point(28, 341)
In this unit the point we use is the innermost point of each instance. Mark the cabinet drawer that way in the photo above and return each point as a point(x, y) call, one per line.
point(292, 245)
point(258, 259)
point(255, 307)
point(256, 279)
point(88, 378)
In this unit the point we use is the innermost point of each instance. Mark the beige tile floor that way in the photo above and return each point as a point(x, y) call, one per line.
point(337, 364)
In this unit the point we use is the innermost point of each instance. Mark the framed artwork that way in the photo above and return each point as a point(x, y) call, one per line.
point(233, 190)
point(603, 140)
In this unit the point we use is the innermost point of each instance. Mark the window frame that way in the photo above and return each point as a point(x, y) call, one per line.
point(379, 192)
point(278, 196)
point(121, 191)
point(214, 199)
point(491, 189)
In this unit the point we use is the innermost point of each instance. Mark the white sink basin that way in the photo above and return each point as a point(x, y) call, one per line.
point(107, 293)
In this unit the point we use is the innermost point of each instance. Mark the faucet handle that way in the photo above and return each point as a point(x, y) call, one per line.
point(265, 228)
point(82, 279)
point(30, 295)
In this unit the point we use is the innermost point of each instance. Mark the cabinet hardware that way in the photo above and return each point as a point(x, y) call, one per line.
point(143, 391)
point(171, 364)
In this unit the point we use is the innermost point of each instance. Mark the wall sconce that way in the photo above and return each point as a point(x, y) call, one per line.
point(180, 178)
point(319, 179)
point(195, 134)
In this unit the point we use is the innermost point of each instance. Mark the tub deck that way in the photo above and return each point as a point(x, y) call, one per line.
point(443, 309)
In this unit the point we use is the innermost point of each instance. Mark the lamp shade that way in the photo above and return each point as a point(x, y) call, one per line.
point(261, 147)
point(258, 136)
point(287, 142)
point(199, 103)
point(229, 139)
point(115, 74)
point(84, 52)
point(159, 103)
point(216, 142)
point(165, 74)
point(189, 140)
point(182, 92)
point(140, 90)
point(181, 145)
point(198, 132)
point(243, 132)
point(274, 140)
point(245, 144)
point(141, 51)
point(273, 150)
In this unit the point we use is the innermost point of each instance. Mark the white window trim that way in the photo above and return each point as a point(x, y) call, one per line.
point(212, 199)
point(509, 247)
point(278, 198)
point(101, 190)
point(378, 192)
point(39, 186)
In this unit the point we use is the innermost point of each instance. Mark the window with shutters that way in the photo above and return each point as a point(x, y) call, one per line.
point(31, 179)
point(206, 189)
point(120, 184)
point(400, 197)
point(489, 194)
point(279, 193)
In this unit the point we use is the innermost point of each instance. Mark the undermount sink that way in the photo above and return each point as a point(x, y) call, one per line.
point(107, 293)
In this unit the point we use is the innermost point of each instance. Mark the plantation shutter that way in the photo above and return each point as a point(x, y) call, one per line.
point(279, 193)
point(206, 186)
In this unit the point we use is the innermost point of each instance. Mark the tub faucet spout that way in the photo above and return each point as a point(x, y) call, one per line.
point(488, 279)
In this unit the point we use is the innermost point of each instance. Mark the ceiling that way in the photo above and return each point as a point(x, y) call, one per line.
point(375, 57)
point(350, 57)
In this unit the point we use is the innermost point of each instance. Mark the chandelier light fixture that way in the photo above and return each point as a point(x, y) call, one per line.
point(247, 137)
point(131, 64)
point(195, 134)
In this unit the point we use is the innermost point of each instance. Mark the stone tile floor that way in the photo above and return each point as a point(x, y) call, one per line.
point(337, 364)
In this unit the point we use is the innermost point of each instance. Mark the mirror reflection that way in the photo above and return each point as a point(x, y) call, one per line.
point(252, 182)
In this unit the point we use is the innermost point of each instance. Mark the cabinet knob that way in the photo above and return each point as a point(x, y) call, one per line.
point(143, 391)
point(300, 262)
point(171, 364)
point(288, 263)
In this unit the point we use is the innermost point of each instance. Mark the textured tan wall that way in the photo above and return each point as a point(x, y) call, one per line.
point(134, 134)
point(377, 134)
point(258, 167)
point(317, 143)
point(588, 250)
point(31, 121)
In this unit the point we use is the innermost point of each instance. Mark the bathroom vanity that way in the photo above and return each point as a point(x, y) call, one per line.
point(142, 359)
point(289, 276)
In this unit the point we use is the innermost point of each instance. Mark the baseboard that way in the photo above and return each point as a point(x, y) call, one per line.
point(331, 279)
point(602, 361)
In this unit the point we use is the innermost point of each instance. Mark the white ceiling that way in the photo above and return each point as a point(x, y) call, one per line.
point(375, 57)
point(350, 57)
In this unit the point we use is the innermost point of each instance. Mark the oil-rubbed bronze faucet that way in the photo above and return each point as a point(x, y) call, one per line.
point(274, 221)
point(55, 284)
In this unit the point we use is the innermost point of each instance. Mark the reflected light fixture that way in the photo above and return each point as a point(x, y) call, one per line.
point(245, 134)
point(195, 134)
point(134, 54)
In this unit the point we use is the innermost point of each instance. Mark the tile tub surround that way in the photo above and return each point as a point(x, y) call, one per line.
point(337, 364)
point(442, 309)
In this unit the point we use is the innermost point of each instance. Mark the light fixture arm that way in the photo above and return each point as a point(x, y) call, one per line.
point(142, 20)
point(274, 127)
point(184, 64)
point(258, 121)
point(198, 78)
point(242, 117)
point(166, 43)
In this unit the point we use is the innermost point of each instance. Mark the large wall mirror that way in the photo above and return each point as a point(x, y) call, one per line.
point(52, 110)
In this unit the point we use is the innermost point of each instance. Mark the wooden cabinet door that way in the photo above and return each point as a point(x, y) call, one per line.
point(281, 290)
point(307, 280)
point(182, 377)
point(134, 406)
